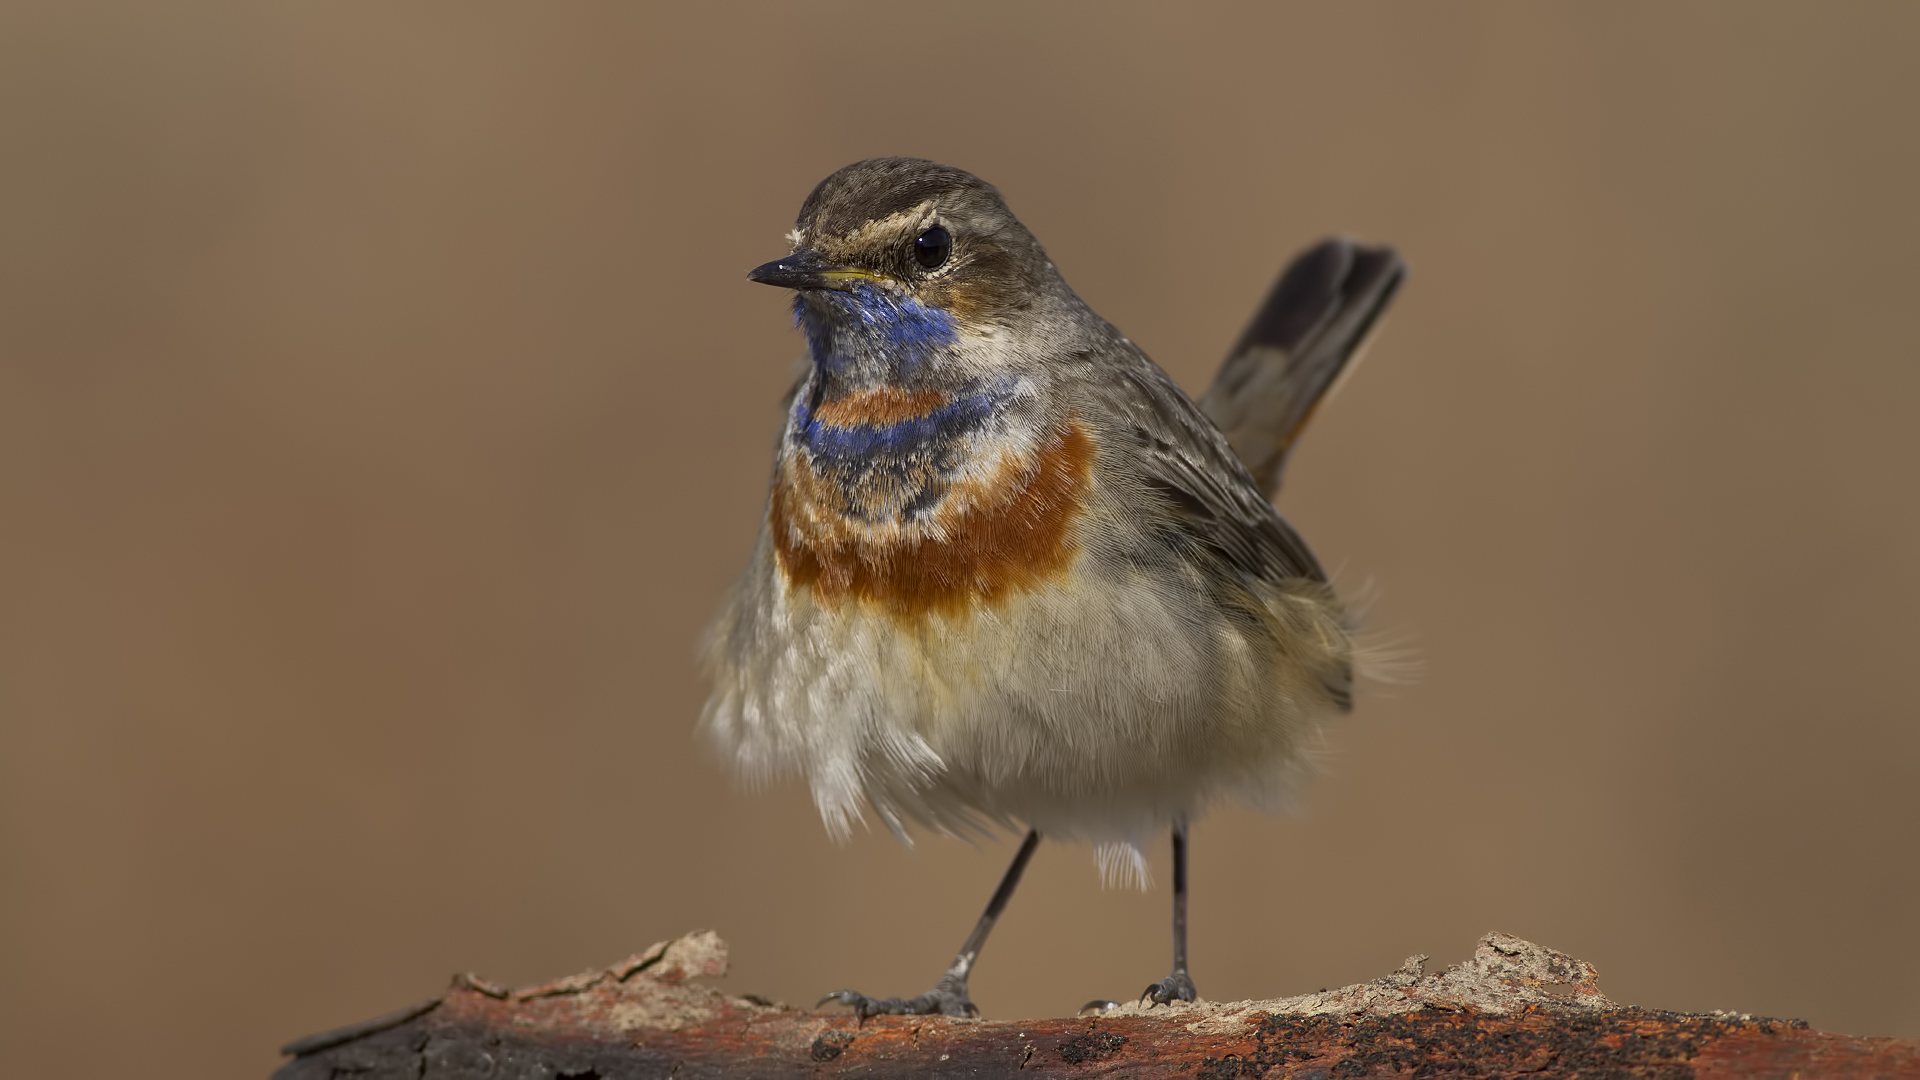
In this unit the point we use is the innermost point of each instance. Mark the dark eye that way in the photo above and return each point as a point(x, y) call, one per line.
point(932, 247)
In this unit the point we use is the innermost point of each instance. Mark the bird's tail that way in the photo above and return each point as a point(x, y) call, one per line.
point(1311, 328)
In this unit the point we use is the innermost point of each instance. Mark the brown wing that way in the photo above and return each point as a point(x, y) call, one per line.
point(1203, 491)
point(1203, 504)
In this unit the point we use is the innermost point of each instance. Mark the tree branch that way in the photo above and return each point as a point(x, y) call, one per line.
point(1515, 1008)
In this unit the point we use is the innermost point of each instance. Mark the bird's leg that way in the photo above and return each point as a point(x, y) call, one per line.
point(1177, 986)
point(949, 996)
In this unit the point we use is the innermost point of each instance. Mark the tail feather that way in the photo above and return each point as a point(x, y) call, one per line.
point(1312, 326)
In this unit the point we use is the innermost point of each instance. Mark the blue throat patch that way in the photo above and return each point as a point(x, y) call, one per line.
point(875, 330)
point(872, 337)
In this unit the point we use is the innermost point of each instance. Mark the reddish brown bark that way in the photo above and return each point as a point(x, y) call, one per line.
point(1509, 1012)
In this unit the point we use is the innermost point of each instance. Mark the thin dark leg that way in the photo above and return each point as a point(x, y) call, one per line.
point(970, 949)
point(949, 995)
point(1180, 898)
point(1177, 986)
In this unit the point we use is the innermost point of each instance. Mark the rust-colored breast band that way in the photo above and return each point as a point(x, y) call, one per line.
point(1006, 541)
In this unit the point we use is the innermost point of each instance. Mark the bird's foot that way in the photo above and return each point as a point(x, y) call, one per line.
point(947, 998)
point(1175, 987)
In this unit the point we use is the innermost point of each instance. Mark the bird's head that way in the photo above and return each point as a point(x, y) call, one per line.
point(898, 260)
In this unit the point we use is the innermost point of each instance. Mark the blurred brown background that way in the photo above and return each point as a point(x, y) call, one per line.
point(384, 411)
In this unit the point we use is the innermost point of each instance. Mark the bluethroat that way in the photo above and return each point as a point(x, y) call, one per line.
point(1009, 574)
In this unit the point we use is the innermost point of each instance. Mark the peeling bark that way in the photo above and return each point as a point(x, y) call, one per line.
point(1514, 1009)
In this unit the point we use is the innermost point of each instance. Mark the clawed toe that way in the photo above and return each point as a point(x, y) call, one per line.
point(942, 1000)
point(862, 1005)
point(1175, 987)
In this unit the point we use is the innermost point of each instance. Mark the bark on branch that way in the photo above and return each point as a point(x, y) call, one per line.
point(1514, 1009)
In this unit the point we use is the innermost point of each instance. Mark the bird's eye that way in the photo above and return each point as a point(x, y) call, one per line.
point(932, 247)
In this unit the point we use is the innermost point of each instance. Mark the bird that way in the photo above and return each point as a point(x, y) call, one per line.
point(1009, 575)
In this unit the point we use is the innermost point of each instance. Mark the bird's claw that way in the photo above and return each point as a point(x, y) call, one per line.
point(949, 998)
point(1175, 987)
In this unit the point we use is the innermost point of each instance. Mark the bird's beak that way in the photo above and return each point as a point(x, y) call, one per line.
point(806, 270)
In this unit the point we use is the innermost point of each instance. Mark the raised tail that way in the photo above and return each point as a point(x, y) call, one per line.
point(1316, 320)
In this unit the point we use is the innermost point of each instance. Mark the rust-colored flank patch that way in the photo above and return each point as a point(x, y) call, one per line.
point(1016, 535)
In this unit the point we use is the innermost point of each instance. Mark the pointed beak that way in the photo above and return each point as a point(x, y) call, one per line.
point(805, 270)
